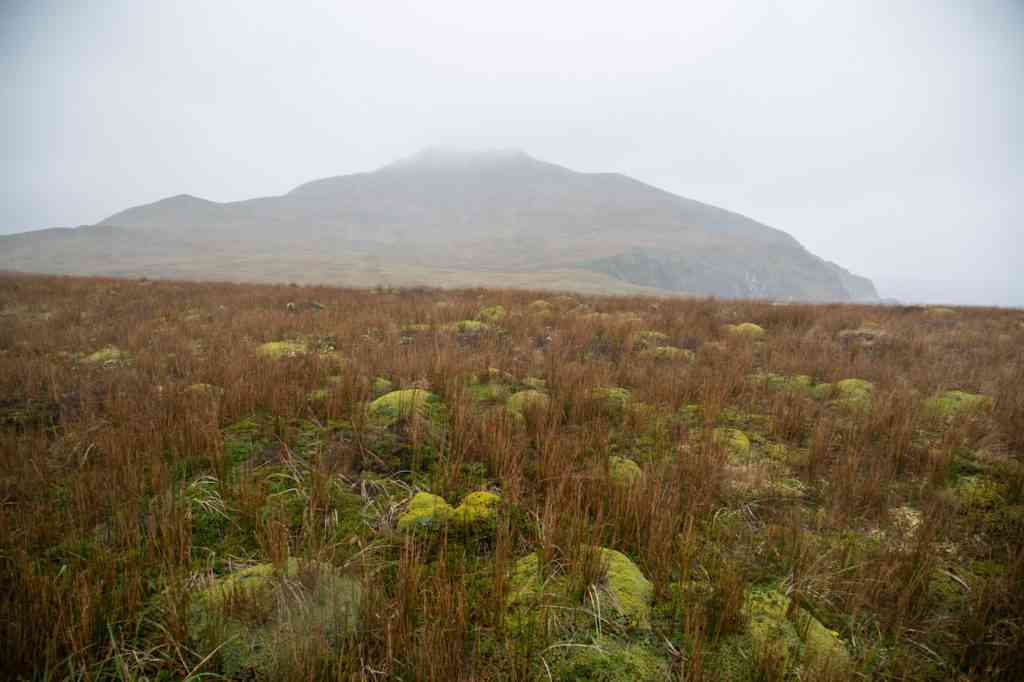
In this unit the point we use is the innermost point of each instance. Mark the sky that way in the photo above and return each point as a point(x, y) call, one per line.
point(885, 135)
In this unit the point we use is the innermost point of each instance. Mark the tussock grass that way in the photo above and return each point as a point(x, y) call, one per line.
point(131, 484)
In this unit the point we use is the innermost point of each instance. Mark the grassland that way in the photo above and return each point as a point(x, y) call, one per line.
point(225, 481)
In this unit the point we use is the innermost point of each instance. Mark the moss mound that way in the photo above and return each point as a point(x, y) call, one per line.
point(669, 354)
point(613, 398)
point(623, 471)
point(108, 356)
point(282, 349)
point(735, 442)
point(621, 593)
point(468, 327)
point(746, 329)
point(528, 401)
point(477, 509)
point(492, 314)
point(784, 382)
point(403, 404)
point(953, 403)
point(775, 626)
point(649, 339)
point(605, 659)
point(852, 394)
point(541, 308)
point(261, 616)
point(381, 386)
point(426, 513)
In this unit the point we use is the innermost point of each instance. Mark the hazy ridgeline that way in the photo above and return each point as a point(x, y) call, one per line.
point(150, 444)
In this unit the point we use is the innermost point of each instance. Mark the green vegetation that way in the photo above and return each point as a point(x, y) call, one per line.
point(560, 494)
point(282, 349)
point(748, 329)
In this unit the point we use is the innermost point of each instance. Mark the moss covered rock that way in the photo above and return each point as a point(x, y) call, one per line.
point(261, 616)
point(426, 513)
point(282, 349)
point(622, 593)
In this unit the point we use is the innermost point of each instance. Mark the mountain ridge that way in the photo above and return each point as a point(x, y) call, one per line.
point(499, 211)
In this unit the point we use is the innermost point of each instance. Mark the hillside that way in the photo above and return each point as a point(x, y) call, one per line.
point(452, 218)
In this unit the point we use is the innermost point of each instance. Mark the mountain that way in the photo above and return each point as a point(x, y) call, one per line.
point(443, 217)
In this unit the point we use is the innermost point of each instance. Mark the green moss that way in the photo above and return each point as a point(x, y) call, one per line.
point(381, 386)
point(613, 397)
point(318, 395)
point(492, 314)
point(391, 407)
point(478, 509)
point(780, 636)
point(940, 311)
point(854, 394)
point(787, 455)
point(953, 403)
point(282, 349)
point(623, 471)
point(735, 442)
point(490, 393)
point(468, 327)
point(426, 513)
point(109, 356)
point(979, 492)
point(783, 382)
point(259, 616)
point(535, 383)
point(412, 329)
point(205, 391)
point(541, 308)
point(669, 353)
point(623, 593)
point(747, 329)
point(241, 439)
point(691, 414)
point(649, 339)
point(528, 401)
point(605, 659)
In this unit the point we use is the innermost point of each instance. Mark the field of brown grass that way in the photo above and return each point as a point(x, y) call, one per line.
point(227, 481)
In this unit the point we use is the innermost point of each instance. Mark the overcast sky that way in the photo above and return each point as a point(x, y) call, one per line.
point(885, 135)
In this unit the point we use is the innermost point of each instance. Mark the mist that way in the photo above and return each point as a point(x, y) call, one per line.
point(885, 136)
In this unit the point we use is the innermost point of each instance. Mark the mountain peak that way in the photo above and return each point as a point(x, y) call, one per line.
point(458, 158)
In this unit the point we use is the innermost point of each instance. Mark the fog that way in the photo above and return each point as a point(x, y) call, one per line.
point(884, 135)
